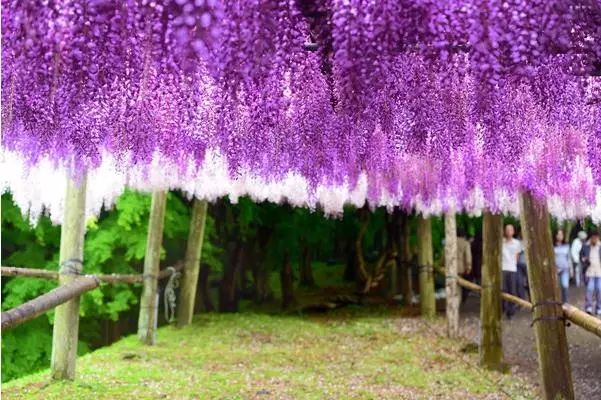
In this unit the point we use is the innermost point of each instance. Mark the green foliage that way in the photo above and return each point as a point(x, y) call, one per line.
point(249, 216)
point(27, 347)
point(211, 252)
point(115, 243)
point(291, 226)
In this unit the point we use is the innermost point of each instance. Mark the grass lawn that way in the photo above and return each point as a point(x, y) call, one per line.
point(352, 353)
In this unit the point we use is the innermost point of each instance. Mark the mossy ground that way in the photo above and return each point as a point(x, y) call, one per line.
point(352, 353)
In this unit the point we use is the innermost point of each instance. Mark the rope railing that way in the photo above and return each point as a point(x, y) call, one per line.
point(43, 303)
point(82, 284)
point(103, 278)
point(571, 313)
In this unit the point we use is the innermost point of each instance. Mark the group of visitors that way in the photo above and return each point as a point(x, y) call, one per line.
point(580, 261)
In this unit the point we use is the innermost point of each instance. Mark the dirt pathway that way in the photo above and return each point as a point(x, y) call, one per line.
point(520, 350)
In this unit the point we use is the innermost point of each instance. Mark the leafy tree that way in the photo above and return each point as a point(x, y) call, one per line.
point(115, 243)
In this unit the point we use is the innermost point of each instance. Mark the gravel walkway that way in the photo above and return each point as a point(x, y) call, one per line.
point(520, 348)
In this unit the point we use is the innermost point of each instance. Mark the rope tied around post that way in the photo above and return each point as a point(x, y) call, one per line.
point(170, 298)
point(562, 317)
point(72, 266)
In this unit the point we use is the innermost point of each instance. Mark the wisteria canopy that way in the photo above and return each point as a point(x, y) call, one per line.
point(424, 104)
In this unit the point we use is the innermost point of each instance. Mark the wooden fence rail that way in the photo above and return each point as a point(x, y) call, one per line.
point(108, 278)
point(29, 272)
point(84, 283)
point(39, 305)
point(571, 313)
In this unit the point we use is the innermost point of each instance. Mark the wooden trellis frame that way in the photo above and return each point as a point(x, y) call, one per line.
point(80, 285)
point(534, 218)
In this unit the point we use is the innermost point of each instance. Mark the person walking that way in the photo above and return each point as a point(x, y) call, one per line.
point(575, 250)
point(522, 277)
point(510, 254)
point(590, 257)
point(562, 263)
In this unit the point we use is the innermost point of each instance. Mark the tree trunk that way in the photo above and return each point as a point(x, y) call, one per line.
point(549, 328)
point(287, 282)
point(261, 283)
point(244, 285)
point(491, 344)
point(305, 270)
point(453, 297)
point(394, 237)
point(426, 270)
point(66, 319)
point(391, 279)
point(228, 299)
point(362, 276)
point(192, 263)
point(405, 277)
point(259, 268)
point(203, 300)
point(114, 331)
point(350, 269)
point(149, 303)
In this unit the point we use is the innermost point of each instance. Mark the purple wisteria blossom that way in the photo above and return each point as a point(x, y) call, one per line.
point(425, 103)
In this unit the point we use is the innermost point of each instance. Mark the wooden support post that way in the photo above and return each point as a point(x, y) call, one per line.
point(549, 327)
point(66, 319)
point(491, 342)
point(453, 297)
point(192, 263)
point(148, 304)
point(425, 261)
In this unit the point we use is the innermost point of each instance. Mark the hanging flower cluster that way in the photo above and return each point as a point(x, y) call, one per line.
point(424, 104)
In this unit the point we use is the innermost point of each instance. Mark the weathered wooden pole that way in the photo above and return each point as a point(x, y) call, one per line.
point(453, 297)
point(189, 283)
point(66, 318)
point(491, 342)
point(549, 323)
point(425, 259)
point(29, 272)
point(148, 304)
point(108, 278)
